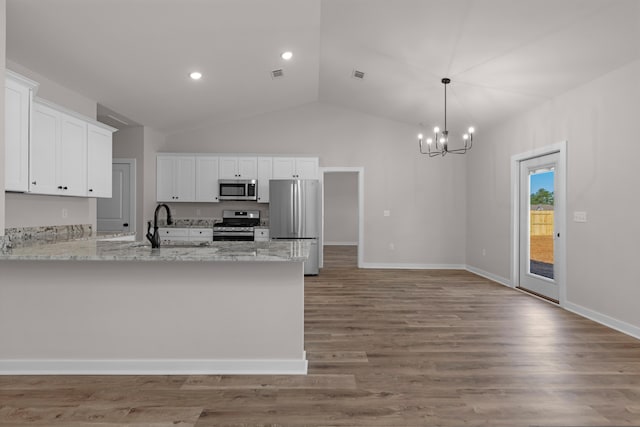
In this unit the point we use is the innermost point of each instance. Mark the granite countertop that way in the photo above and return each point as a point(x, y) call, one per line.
point(96, 250)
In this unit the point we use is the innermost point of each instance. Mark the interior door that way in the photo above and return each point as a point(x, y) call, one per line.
point(114, 214)
point(539, 232)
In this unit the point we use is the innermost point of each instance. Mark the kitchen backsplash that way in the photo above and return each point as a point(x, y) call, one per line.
point(46, 234)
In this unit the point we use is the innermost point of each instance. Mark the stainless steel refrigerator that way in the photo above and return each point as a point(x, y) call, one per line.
point(294, 213)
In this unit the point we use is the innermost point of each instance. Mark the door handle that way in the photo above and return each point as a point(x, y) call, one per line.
point(126, 224)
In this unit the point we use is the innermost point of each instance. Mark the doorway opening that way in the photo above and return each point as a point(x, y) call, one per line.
point(342, 214)
point(538, 219)
point(118, 214)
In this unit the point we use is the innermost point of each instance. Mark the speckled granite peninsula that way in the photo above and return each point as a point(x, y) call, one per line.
point(96, 250)
point(97, 307)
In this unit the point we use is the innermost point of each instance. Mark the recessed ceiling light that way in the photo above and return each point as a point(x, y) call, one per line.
point(287, 55)
point(196, 75)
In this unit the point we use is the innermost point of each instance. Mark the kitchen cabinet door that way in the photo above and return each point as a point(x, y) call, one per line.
point(18, 94)
point(295, 168)
point(164, 179)
point(265, 171)
point(42, 150)
point(72, 157)
point(175, 178)
point(248, 167)
point(238, 168)
point(306, 167)
point(206, 179)
point(99, 160)
point(284, 167)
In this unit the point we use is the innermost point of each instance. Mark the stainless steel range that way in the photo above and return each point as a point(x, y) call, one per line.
point(236, 225)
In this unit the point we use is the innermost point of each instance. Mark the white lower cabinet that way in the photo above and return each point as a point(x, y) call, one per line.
point(170, 235)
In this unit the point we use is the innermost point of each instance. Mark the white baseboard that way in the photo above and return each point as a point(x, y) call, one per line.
point(490, 276)
point(409, 266)
point(154, 367)
point(603, 319)
point(340, 243)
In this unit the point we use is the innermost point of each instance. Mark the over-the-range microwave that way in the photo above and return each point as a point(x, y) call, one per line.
point(238, 189)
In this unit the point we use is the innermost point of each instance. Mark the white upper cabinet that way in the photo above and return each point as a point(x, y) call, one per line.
point(265, 171)
point(99, 160)
point(295, 167)
point(175, 178)
point(18, 95)
point(206, 179)
point(71, 170)
point(238, 168)
point(43, 150)
point(60, 156)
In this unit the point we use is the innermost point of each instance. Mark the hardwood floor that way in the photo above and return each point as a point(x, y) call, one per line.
point(385, 348)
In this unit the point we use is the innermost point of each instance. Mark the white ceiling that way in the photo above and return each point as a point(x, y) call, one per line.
point(503, 56)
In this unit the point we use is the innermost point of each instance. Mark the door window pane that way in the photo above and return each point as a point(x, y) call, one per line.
point(541, 222)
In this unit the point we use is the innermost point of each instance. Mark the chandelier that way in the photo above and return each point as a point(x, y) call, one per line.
point(439, 144)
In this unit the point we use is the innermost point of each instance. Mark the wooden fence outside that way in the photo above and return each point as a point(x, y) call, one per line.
point(541, 223)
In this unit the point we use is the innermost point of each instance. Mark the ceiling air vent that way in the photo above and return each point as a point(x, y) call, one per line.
point(357, 74)
point(277, 74)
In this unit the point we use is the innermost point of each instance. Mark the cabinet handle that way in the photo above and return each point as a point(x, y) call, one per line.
point(33, 182)
point(64, 188)
point(90, 190)
point(59, 187)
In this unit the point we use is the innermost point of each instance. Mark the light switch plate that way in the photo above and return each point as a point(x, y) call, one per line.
point(386, 213)
point(579, 216)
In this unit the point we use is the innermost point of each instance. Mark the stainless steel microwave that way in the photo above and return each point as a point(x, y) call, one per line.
point(238, 189)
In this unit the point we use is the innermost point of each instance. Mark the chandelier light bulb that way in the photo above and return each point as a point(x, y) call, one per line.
point(420, 136)
point(439, 145)
point(287, 55)
point(196, 75)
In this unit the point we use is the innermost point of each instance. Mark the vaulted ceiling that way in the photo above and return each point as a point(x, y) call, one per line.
point(503, 56)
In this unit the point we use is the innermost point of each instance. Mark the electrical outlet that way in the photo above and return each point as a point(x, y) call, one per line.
point(386, 213)
point(65, 213)
point(392, 246)
point(484, 252)
point(198, 212)
point(579, 216)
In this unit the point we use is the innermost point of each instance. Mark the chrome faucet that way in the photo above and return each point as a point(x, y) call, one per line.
point(155, 237)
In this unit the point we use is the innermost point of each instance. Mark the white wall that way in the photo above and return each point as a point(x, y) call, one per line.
point(27, 210)
point(3, 45)
point(426, 197)
point(599, 121)
point(340, 208)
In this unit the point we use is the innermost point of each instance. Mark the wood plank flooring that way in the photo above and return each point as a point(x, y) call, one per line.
point(385, 348)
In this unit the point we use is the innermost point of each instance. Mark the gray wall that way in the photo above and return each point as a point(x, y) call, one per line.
point(599, 121)
point(26, 210)
point(3, 45)
point(341, 208)
point(419, 192)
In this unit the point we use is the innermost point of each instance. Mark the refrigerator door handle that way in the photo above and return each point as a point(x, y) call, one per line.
point(292, 225)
